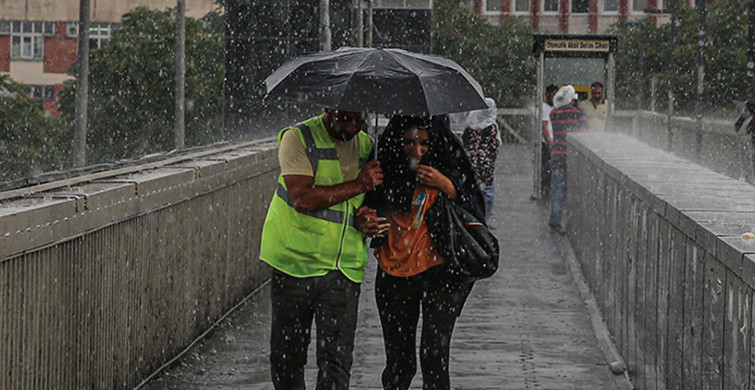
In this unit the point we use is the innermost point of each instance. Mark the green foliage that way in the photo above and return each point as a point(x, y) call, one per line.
point(30, 143)
point(132, 88)
point(498, 57)
point(645, 51)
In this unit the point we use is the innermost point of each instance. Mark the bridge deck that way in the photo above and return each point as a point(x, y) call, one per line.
point(527, 327)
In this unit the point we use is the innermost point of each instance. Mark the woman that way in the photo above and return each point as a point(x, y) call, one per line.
point(481, 140)
point(421, 160)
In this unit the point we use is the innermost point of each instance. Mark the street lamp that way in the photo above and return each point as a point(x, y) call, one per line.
point(751, 51)
point(702, 4)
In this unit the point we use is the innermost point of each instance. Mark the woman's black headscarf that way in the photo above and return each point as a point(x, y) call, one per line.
point(446, 154)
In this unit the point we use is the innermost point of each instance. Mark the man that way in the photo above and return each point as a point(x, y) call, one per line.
point(596, 108)
point(565, 118)
point(314, 240)
point(547, 132)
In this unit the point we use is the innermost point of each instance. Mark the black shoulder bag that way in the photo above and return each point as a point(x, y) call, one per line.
point(465, 243)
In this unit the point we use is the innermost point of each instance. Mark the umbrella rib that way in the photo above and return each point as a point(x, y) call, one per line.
point(400, 61)
point(352, 74)
point(345, 85)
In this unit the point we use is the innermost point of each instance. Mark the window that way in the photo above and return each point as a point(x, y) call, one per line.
point(492, 5)
point(550, 6)
point(639, 5)
point(100, 33)
point(48, 28)
point(40, 92)
point(580, 6)
point(27, 40)
point(610, 5)
point(522, 6)
point(4, 27)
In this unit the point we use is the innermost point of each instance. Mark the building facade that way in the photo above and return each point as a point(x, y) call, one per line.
point(571, 16)
point(39, 38)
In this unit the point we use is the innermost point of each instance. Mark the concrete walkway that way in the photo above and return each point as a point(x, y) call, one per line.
point(527, 327)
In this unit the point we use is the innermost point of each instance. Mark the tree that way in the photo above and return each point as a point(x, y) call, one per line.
point(725, 58)
point(132, 88)
point(30, 143)
point(498, 57)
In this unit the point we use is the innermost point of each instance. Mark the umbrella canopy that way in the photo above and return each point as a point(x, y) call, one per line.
point(387, 81)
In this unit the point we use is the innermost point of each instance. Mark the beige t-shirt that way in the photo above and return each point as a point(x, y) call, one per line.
point(293, 158)
point(596, 115)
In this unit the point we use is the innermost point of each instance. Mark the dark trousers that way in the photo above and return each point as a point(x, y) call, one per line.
point(332, 301)
point(545, 168)
point(440, 296)
point(558, 193)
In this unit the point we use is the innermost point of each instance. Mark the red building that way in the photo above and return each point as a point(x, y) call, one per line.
point(569, 16)
point(38, 38)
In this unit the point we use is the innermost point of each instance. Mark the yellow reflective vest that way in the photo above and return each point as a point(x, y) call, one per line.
point(312, 243)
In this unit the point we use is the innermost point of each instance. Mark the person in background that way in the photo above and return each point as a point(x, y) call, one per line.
point(423, 161)
point(481, 140)
point(596, 108)
point(547, 139)
point(314, 241)
point(747, 120)
point(566, 117)
point(751, 130)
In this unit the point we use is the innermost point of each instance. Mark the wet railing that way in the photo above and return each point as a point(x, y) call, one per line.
point(666, 247)
point(105, 277)
point(714, 145)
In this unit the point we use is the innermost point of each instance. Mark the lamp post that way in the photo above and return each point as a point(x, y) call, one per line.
point(751, 51)
point(325, 38)
point(179, 127)
point(702, 5)
point(82, 88)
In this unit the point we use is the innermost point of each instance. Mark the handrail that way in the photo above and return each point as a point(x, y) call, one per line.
point(55, 184)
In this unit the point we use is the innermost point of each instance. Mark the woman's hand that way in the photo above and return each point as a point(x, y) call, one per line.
point(432, 177)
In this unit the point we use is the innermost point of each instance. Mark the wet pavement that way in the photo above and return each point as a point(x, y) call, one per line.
point(531, 326)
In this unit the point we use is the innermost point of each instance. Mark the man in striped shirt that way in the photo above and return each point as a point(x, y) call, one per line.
point(565, 117)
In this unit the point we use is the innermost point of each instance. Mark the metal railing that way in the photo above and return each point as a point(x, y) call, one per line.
point(105, 277)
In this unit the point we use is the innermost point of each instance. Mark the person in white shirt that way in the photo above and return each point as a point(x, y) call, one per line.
point(547, 133)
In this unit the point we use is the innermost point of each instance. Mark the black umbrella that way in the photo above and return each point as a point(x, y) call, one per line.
point(387, 81)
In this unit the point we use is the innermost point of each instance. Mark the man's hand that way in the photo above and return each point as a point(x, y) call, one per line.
point(367, 221)
point(371, 175)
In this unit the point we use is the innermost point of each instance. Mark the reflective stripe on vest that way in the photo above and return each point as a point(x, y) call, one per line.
point(329, 215)
point(315, 154)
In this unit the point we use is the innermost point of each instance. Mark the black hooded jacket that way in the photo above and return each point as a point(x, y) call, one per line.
point(446, 154)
